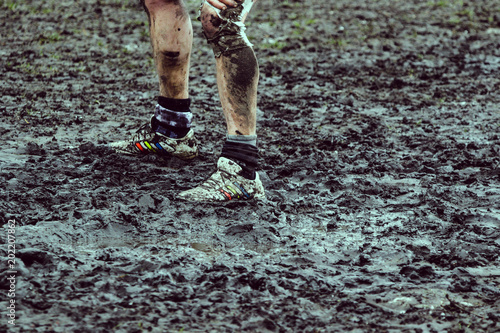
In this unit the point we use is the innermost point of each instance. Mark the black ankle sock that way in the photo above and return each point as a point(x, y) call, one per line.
point(245, 155)
point(176, 105)
point(179, 105)
point(169, 131)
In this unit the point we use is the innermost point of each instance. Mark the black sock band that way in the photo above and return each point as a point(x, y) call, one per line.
point(179, 105)
point(173, 121)
point(247, 156)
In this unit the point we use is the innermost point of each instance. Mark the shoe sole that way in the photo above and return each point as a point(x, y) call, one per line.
point(149, 153)
point(255, 198)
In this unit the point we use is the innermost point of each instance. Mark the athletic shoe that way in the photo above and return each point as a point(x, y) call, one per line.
point(146, 141)
point(226, 184)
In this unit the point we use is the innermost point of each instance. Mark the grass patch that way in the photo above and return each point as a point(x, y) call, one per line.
point(278, 45)
point(52, 38)
point(337, 42)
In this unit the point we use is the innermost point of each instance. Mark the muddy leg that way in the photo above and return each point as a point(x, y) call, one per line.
point(171, 38)
point(237, 78)
point(237, 68)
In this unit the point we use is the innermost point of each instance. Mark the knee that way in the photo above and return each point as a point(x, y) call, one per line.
point(172, 58)
point(153, 6)
point(224, 29)
point(210, 21)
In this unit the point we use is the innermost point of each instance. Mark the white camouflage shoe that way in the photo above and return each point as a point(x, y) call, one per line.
point(226, 184)
point(147, 141)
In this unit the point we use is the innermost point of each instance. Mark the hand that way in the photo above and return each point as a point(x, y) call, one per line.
point(223, 4)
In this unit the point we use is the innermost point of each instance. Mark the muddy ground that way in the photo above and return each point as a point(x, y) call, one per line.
point(379, 131)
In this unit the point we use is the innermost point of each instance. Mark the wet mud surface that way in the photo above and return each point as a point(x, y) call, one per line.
point(379, 131)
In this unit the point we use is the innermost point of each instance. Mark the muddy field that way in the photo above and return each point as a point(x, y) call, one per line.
point(379, 129)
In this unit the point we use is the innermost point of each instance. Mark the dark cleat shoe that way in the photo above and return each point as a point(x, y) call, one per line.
point(147, 141)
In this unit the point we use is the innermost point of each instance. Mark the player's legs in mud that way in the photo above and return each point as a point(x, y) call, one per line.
point(237, 68)
point(237, 78)
point(169, 131)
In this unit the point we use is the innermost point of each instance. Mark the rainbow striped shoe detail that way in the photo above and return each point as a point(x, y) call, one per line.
point(146, 141)
point(226, 184)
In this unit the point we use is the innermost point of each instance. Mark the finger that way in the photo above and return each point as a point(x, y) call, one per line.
point(222, 4)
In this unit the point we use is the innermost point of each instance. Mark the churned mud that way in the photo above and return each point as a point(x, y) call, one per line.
point(379, 130)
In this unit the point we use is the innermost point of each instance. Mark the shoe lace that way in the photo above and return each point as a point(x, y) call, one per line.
point(212, 182)
point(139, 134)
point(144, 127)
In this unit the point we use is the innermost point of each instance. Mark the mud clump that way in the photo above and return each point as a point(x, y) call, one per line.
point(379, 136)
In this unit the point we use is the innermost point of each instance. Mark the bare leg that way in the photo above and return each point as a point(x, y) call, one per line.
point(237, 78)
point(169, 132)
point(172, 39)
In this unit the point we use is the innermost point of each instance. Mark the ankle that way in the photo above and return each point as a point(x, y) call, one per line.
point(245, 155)
point(174, 104)
point(172, 117)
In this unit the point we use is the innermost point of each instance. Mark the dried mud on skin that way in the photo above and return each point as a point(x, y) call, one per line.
point(379, 132)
